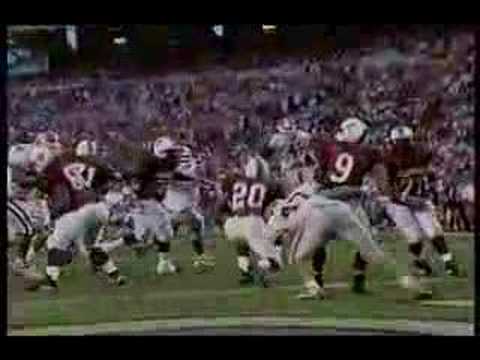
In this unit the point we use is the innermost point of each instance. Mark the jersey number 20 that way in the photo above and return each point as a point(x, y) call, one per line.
point(343, 168)
point(79, 175)
point(248, 196)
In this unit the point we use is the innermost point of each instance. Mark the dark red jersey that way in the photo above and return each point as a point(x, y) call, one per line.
point(345, 163)
point(71, 182)
point(408, 164)
point(249, 196)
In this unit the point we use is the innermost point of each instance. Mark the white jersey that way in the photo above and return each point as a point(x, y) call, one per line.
point(280, 142)
point(9, 182)
point(86, 148)
point(182, 190)
point(79, 227)
point(300, 194)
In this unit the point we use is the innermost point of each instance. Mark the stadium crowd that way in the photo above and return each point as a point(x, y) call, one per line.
point(387, 84)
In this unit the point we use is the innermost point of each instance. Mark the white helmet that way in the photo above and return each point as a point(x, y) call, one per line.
point(161, 145)
point(351, 130)
point(40, 157)
point(257, 168)
point(286, 125)
point(114, 197)
point(401, 133)
point(47, 138)
point(86, 148)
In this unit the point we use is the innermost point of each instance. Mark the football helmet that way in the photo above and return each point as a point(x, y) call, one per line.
point(286, 125)
point(47, 138)
point(401, 133)
point(86, 148)
point(162, 145)
point(40, 157)
point(352, 130)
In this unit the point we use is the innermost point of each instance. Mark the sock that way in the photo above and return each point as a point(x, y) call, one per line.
point(53, 272)
point(243, 263)
point(415, 249)
point(197, 247)
point(109, 268)
point(312, 284)
point(440, 244)
point(359, 264)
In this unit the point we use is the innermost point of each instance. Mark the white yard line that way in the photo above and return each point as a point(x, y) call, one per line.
point(400, 325)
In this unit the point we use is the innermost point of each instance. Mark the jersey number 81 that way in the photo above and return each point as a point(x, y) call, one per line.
point(79, 175)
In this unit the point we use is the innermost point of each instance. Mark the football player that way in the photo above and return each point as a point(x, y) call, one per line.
point(307, 227)
point(342, 167)
point(408, 163)
point(181, 193)
point(74, 188)
point(247, 196)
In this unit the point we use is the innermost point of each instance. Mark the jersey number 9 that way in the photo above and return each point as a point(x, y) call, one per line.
point(343, 168)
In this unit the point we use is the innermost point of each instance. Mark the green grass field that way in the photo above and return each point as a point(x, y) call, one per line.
point(86, 299)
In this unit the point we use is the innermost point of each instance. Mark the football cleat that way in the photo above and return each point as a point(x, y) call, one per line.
point(246, 278)
point(312, 293)
point(166, 267)
point(451, 268)
point(45, 284)
point(116, 279)
point(423, 294)
point(203, 263)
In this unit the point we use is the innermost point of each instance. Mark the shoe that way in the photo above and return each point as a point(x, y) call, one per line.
point(246, 278)
point(451, 268)
point(45, 284)
point(313, 293)
point(166, 267)
point(424, 295)
point(116, 279)
point(359, 284)
point(120, 280)
point(203, 263)
point(421, 268)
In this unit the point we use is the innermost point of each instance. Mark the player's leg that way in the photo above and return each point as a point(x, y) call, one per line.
point(102, 262)
point(163, 233)
point(59, 254)
point(432, 230)
point(407, 225)
point(359, 274)
point(311, 269)
point(352, 228)
point(23, 237)
point(235, 233)
point(202, 260)
point(243, 263)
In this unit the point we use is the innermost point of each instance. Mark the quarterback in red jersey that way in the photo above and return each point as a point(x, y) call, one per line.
point(343, 165)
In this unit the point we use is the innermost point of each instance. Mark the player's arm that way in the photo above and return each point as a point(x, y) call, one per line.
point(59, 201)
point(379, 175)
